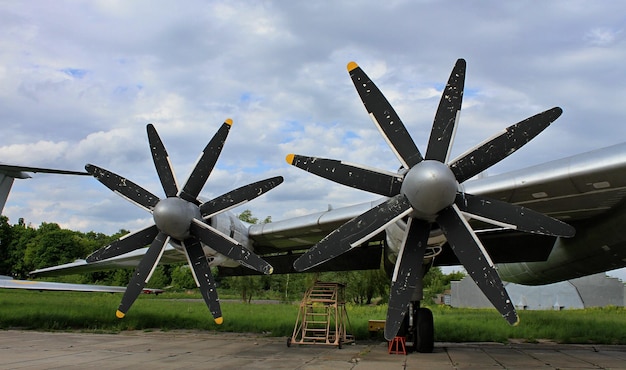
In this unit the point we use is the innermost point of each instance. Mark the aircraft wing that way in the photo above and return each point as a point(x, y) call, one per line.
point(128, 260)
point(9, 283)
point(9, 172)
point(17, 171)
point(570, 189)
point(302, 232)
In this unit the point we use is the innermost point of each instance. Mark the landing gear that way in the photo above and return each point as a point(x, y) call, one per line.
point(420, 328)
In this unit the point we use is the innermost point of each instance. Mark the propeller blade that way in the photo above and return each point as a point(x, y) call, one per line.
point(492, 151)
point(372, 180)
point(124, 187)
point(205, 164)
point(512, 216)
point(354, 232)
point(472, 255)
point(406, 275)
point(204, 279)
point(239, 196)
point(444, 126)
point(125, 244)
point(162, 162)
point(143, 273)
point(385, 118)
point(229, 247)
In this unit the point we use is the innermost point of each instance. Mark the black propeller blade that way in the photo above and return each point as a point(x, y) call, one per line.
point(448, 112)
point(124, 187)
point(239, 196)
point(371, 180)
point(406, 274)
point(229, 247)
point(385, 118)
point(426, 191)
point(179, 218)
point(125, 244)
point(142, 273)
point(493, 151)
point(162, 163)
point(472, 255)
point(354, 232)
point(204, 279)
point(512, 216)
point(205, 163)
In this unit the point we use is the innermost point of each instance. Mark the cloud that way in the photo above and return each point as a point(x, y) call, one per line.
point(601, 36)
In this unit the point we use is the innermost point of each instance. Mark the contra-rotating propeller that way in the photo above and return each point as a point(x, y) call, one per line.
point(426, 190)
point(182, 218)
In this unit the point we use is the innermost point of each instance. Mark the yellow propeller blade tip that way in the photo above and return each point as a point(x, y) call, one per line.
point(229, 122)
point(271, 271)
point(219, 320)
point(120, 314)
point(351, 66)
point(289, 158)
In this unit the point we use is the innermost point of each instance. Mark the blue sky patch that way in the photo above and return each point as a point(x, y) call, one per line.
point(75, 72)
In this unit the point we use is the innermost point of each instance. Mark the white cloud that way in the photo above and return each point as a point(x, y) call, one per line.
point(601, 36)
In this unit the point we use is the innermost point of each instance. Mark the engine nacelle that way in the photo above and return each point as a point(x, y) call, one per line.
point(230, 226)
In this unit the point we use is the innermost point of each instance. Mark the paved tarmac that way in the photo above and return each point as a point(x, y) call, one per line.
point(209, 350)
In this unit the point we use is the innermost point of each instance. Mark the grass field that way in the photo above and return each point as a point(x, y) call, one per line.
point(95, 312)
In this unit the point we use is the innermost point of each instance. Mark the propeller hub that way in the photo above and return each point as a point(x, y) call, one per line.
point(430, 186)
point(174, 215)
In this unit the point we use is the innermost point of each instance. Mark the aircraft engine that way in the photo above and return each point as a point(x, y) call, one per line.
point(196, 228)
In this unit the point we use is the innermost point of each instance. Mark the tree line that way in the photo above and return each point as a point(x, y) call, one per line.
point(24, 248)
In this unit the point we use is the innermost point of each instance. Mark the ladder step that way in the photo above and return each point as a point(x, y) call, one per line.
point(315, 318)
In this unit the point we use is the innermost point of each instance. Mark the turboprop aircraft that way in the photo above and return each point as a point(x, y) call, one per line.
point(552, 222)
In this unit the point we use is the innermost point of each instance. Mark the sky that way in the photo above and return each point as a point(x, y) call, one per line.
point(80, 80)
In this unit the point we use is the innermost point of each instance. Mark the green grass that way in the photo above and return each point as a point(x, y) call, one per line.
point(95, 312)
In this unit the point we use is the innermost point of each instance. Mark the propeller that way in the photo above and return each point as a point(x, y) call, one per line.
point(427, 192)
point(181, 217)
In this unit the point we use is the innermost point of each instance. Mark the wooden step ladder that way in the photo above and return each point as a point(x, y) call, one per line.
point(322, 317)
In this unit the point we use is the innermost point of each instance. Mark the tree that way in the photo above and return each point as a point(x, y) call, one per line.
point(160, 277)
point(436, 282)
point(54, 246)
point(182, 277)
point(5, 242)
point(246, 285)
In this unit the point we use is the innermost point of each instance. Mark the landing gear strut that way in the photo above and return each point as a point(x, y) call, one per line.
point(420, 328)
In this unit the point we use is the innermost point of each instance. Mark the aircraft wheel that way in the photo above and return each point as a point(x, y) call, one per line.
point(288, 341)
point(425, 331)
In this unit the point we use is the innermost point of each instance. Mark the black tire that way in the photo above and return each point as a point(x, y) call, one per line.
point(288, 341)
point(425, 331)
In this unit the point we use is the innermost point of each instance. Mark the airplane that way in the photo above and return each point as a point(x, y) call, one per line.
point(538, 225)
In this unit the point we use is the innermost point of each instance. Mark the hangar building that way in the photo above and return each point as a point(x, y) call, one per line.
point(597, 290)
